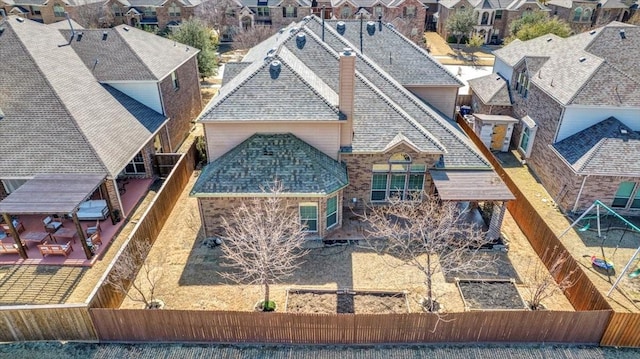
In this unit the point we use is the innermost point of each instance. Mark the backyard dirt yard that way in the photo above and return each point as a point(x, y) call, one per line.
point(583, 245)
point(446, 55)
point(191, 277)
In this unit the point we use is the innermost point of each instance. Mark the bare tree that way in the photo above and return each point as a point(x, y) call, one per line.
point(137, 276)
point(248, 38)
point(92, 15)
point(545, 283)
point(220, 15)
point(263, 241)
point(429, 235)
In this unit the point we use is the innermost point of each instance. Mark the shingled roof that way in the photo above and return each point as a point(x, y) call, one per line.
point(491, 89)
point(58, 118)
point(592, 68)
point(608, 148)
point(253, 165)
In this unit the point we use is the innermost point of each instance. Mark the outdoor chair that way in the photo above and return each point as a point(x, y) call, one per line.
point(93, 229)
point(16, 224)
point(51, 225)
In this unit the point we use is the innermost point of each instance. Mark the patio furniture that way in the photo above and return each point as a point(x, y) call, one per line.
point(93, 229)
point(37, 237)
point(16, 224)
point(55, 249)
point(93, 210)
point(8, 248)
point(51, 225)
point(94, 239)
point(65, 233)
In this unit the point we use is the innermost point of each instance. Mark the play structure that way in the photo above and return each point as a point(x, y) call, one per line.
point(605, 221)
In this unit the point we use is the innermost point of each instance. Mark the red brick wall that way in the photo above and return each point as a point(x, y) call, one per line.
point(182, 105)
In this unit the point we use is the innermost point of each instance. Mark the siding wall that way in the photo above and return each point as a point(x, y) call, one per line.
point(442, 98)
point(222, 137)
point(578, 118)
point(144, 92)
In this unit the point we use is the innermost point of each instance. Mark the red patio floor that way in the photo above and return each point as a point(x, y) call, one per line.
point(135, 190)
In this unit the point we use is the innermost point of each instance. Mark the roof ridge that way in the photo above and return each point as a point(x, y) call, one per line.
point(591, 153)
point(135, 53)
point(55, 93)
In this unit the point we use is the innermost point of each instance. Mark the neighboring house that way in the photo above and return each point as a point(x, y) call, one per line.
point(493, 16)
point(98, 102)
point(584, 14)
point(153, 13)
point(340, 128)
point(578, 101)
point(48, 12)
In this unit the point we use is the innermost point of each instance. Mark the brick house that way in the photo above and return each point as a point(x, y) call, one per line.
point(582, 15)
point(48, 12)
point(153, 13)
point(340, 128)
point(91, 101)
point(577, 100)
point(493, 16)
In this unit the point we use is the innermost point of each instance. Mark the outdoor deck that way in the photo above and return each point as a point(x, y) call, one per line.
point(135, 190)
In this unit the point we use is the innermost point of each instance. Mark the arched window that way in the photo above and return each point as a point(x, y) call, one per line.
point(485, 18)
point(398, 178)
point(586, 15)
point(577, 14)
point(58, 10)
point(246, 23)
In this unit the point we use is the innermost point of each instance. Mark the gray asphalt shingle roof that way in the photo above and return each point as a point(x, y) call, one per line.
point(254, 164)
point(129, 53)
point(591, 68)
point(492, 90)
point(602, 149)
point(58, 118)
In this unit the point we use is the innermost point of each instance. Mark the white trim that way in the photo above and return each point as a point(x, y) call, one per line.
point(309, 204)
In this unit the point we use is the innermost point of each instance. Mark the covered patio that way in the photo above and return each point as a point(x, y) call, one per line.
point(58, 197)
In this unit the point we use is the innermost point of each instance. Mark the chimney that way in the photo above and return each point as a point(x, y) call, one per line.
point(346, 96)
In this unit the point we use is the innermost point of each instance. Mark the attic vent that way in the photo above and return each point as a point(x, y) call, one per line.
point(301, 39)
point(79, 37)
point(341, 27)
point(271, 51)
point(623, 35)
point(623, 131)
point(582, 59)
point(592, 32)
point(125, 28)
point(274, 69)
point(104, 35)
point(19, 19)
point(371, 28)
point(549, 39)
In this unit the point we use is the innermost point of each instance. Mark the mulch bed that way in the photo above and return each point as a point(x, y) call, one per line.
point(489, 295)
point(331, 302)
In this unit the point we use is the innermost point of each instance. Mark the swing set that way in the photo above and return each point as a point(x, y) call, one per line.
point(583, 224)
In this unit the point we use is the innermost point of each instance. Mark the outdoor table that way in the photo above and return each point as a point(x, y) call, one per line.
point(65, 233)
point(39, 237)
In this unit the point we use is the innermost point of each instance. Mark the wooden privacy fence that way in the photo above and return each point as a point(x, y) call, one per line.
point(215, 326)
point(148, 227)
point(165, 162)
point(46, 322)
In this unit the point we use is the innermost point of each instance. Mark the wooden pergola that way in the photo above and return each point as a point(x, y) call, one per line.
point(52, 193)
point(474, 185)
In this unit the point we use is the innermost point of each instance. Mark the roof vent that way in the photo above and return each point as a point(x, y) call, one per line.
point(274, 69)
point(79, 37)
point(125, 28)
point(281, 31)
point(549, 39)
point(346, 51)
point(582, 59)
point(293, 29)
point(301, 39)
point(623, 35)
point(391, 26)
point(623, 131)
point(371, 28)
point(341, 27)
point(307, 18)
point(498, 78)
point(104, 35)
point(592, 32)
point(19, 19)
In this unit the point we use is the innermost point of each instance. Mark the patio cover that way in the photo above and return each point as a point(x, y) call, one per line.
point(463, 185)
point(51, 193)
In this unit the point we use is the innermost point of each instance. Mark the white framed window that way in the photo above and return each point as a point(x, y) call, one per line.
point(174, 10)
point(397, 179)
point(627, 196)
point(345, 12)
point(136, 166)
point(149, 11)
point(117, 11)
point(498, 15)
point(586, 15)
point(264, 11)
point(309, 216)
point(522, 85)
point(35, 10)
point(58, 10)
point(289, 11)
point(410, 11)
point(174, 80)
point(378, 11)
point(529, 129)
point(332, 211)
point(11, 185)
point(577, 14)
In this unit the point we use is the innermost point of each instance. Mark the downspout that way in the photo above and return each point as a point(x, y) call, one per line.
point(575, 205)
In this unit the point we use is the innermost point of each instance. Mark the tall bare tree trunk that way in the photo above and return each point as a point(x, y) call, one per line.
point(266, 293)
point(429, 284)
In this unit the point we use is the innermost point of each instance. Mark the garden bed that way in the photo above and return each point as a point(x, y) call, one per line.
point(345, 301)
point(490, 295)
